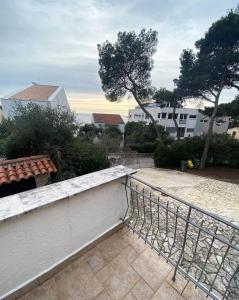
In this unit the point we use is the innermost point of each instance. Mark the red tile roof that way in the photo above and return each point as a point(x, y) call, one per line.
point(25, 167)
point(35, 92)
point(108, 119)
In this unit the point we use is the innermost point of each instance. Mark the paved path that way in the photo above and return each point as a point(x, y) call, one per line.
point(213, 195)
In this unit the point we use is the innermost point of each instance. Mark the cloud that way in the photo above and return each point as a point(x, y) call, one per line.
point(56, 41)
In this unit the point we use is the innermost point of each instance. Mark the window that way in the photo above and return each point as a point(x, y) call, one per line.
point(183, 116)
point(190, 129)
point(170, 116)
point(192, 117)
point(159, 115)
point(146, 116)
point(176, 116)
point(135, 115)
point(129, 115)
point(203, 121)
point(164, 115)
point(171, 130)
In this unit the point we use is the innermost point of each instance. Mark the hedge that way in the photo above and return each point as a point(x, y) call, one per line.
point(223, 151)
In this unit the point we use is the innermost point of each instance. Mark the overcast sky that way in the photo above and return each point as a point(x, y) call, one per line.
point(55, 41)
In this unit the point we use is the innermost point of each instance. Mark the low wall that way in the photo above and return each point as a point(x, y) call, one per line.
point(132, 159)
point(41, 228)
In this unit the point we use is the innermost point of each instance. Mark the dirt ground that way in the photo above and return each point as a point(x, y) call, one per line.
point(219, 173)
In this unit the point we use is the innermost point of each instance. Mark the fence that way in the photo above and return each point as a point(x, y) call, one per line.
point(201, 246)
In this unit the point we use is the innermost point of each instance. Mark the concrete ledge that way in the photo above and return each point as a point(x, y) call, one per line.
point(18, 204)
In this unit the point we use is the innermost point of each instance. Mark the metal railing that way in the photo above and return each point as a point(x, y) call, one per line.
point(201, 246)
point(182, 121)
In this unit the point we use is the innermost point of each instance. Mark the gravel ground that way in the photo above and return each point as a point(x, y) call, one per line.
point(216, 196)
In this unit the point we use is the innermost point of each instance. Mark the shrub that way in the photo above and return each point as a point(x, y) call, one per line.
point(224, 151)
point(81, 158)
point(148, 147)
point(38, 130)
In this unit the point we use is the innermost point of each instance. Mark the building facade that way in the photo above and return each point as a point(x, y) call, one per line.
point(43, 95)
point(190, 121)
point(103, 120)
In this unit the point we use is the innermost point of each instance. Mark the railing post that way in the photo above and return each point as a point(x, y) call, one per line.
point(184, 243)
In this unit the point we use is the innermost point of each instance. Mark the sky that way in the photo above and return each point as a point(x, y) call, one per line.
point(55, 42)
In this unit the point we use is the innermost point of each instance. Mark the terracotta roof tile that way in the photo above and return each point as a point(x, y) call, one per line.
point(108, 119)
point(35, 92)
point(25, 167)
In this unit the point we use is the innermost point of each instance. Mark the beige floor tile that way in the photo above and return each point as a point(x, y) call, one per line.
point(179, 284)
point(96, 260)
point(47, 290)
point(142, 291)
point(118, 277)
point(130, 254)
point(112, 247)
point(135, 241)
point(103, 296)
point(167, 292)
point(152, 268)
point(123, 231)
point(78, 281)
point(130, 296)
point(191, 293)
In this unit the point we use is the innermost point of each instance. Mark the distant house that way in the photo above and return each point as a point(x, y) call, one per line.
point(102, 120)
point(220, 124)
point(44, 95)
point(25, 173)
point(190, 121)
point(83, 118)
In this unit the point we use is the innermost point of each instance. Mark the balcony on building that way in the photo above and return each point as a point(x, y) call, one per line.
point(103, 236)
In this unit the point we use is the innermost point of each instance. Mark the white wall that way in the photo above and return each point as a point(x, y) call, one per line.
point(34, 242)
point(9, 106)
point(58, 98)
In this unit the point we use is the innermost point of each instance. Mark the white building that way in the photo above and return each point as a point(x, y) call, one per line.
point(83, 118)
point(44, 95)
point(190, 121)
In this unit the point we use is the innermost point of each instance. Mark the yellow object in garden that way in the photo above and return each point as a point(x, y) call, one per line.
point(190, 164)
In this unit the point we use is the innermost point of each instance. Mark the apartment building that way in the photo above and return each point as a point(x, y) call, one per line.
point(190, 121)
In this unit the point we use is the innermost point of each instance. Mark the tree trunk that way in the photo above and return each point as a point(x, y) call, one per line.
point(209, 133)
point(150, 116)
point(175, 122)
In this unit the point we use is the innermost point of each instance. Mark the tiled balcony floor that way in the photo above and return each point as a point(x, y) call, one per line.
point(120, 267)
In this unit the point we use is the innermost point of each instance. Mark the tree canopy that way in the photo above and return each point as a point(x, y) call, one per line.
point(214, 67)
point(125, 67)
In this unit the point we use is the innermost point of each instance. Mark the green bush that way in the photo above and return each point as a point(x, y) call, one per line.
point(148, 147)
point(223, 151)
point(37, 130)
point(81, 158)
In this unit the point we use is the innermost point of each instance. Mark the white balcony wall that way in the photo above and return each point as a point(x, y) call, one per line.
point(43, 227)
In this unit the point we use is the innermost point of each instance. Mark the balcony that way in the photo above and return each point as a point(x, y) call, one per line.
point(108, 235)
